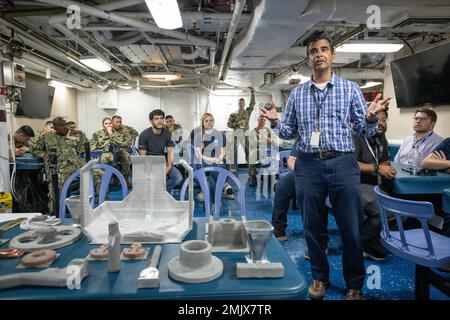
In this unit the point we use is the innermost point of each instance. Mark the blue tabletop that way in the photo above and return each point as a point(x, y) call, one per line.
point(407, 183)
point(99, 284)
point(28, 162)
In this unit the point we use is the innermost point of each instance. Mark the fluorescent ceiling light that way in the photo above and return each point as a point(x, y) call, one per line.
point(371, 84)
point(161, 76)
point(165, 13)
point(56, 84)
point(96, 64)
point(370, 46)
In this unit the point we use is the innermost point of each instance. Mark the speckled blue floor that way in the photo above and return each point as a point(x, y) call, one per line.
point(397, 275)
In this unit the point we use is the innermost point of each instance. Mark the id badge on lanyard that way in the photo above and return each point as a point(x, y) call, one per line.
point(315, 135)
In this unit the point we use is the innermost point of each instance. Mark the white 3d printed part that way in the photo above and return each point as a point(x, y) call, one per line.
point(149, 214)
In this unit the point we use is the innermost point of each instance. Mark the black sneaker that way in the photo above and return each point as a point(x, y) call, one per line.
point(375, 251)
point(280, 235)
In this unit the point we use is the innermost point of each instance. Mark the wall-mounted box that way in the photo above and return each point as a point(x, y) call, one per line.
point(108, 99)
point(12, 74)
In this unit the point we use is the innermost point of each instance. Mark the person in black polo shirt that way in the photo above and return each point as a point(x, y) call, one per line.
point(375, 166)
point(156, 141)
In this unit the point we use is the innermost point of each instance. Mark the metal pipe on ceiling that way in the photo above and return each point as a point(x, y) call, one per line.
point(124, 42)
point(31, 12)
point(50, 49)
point(57, 72)
point(239, 6)
point(88, 47)
point(119, 4)
point(143, 26)
point(217, 17)
point(102, 27)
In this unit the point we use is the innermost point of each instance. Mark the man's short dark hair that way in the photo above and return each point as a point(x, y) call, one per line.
point(156, 112)
point(48, 122)
point(116, 116)
point(316, 38)
point(169, 117)
point(70, 123)
point(430, 113)
point(57, 120)
point(26, 131)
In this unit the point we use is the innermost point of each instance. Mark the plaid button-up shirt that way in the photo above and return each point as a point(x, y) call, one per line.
point(344, 104)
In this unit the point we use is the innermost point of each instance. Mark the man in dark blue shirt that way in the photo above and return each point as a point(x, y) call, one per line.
point(156, 141)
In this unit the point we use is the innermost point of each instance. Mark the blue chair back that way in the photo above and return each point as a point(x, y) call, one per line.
point(223, 174)
point(134, 151)
point(104, 186)
point(404, 243)
point(63, 194)
point(192, 159)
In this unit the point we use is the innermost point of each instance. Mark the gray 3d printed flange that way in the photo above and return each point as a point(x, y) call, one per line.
point(195, 264)
point(46, 238)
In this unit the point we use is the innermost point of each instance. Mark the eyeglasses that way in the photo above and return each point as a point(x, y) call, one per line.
point(420, 118)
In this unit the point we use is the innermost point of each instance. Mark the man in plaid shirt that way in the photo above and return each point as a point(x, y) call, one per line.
point(320, 111)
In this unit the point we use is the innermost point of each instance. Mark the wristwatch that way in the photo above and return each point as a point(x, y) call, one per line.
point(376, 167)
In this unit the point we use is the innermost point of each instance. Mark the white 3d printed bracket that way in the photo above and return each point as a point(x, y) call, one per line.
point(149, 214)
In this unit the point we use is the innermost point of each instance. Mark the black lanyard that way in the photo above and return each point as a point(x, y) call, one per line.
point(315, 90)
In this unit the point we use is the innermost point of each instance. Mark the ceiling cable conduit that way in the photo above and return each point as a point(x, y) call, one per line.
point(103, 27)
point(106, 35)
point(40, 70)
point(123, 42)
point(189, 17)
point(119, 4)
point(39, 64)
point(88, 47)
point(125, 35)
point(50, 49)
point(239, 6)
point(191, 56)
point(142, 26)
point(31, 12)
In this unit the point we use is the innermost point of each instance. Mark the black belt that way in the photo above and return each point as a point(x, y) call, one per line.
point(324, 155)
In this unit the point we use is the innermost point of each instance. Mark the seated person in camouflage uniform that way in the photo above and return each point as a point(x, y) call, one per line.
point(21, 138)
point(114, 140)
point(47, 127)
point(174, 128)
point(67, 152)
point(239, 121)
point(76, 134)
point(260, 138)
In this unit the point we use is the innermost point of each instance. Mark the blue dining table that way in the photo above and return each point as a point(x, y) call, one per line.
point(100, 284)
point(407, 183)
